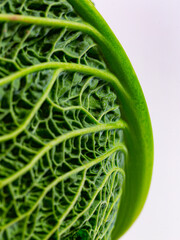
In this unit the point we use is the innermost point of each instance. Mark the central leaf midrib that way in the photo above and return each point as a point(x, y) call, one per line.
point(104, 74)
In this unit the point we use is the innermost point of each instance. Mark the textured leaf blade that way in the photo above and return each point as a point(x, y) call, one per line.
point(62, 151)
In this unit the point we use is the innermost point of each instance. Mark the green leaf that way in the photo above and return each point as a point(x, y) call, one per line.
point(76, 144)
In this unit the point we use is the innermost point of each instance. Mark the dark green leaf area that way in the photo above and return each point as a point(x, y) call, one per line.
point(81, 234)
point(18, 99)
point(22, 46)
point(96, 96)
point(40, 8)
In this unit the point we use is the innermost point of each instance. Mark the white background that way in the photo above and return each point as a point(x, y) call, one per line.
point(149, 31)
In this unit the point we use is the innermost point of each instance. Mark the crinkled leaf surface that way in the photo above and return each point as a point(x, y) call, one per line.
point(63, 147)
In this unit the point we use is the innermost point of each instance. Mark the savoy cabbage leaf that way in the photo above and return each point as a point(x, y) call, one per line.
point(63, 149)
